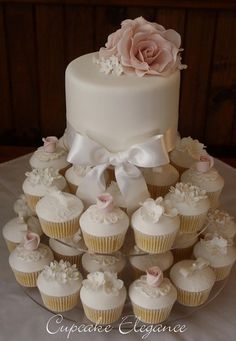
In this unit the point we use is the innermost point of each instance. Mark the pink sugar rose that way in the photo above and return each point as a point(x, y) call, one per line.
point(154, 276)
point(31, 241)
point(105, 202)
point(143, 48)
point(205, 163)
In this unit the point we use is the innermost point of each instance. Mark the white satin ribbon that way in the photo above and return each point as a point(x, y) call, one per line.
point(86, 152)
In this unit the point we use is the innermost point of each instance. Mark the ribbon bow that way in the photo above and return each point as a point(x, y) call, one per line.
point(86, 152)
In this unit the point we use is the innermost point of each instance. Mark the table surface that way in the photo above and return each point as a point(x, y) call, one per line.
point(21, 319)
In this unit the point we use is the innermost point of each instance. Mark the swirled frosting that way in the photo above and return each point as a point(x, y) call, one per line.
point(42, 155)
point(151, 291)
point(61, 272)
point(107, 281)
point(153, 209)
point(187, 193)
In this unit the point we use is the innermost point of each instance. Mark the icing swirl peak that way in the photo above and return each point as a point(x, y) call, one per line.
point(107, 281)
point(45, 176)
point(187, 193)
point(62, 272)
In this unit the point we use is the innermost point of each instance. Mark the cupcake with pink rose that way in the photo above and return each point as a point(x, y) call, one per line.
point(51, 154)
point(152, 296)
point(186, 152)
point(104, 225)
point(29, 258)
point(204, 175)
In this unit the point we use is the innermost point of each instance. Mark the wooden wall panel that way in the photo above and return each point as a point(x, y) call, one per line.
point(79, 31)
point(146, 12)
point(222, 95)
point(22, 62)
point(5, 106)
point(199, 40)
point(51, 61)
point(172, 18)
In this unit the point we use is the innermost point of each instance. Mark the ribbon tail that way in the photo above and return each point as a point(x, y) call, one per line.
point(92, 185)
point(132, 185)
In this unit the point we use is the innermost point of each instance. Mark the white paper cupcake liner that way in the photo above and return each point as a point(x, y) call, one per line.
point(154, 244)
point(153, 316)
point(103, 244)
point(103, 316)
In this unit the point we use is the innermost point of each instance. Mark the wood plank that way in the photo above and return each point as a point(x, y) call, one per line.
point(172, 18)
point(199, 38)
point(147, 13)
point(51, 65)
point(107, 20)
point(217, 4)
point(22, 63)
point(5, 105)
point(222, 94)
point(79, 26)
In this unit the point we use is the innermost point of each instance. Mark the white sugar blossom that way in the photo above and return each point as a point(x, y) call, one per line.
point(187, 193)
point(154, 209)
point(61, 272)
point(44, 176)
point(217, 243)
point(106, 281)
point(110, 65)
point(21, 207)
point(193, 147)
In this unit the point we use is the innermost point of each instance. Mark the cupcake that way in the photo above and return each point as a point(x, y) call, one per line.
point(39, 182)
point(59, 285)
point(103, 296)
point(50, 155)
point(183, 245)
point(206, 177)
point(194, 280)
point(112, 263)
point(155, 226)
point(187, 151)
point(74, 175)
point(14, 232)
point(219, 252)
point(160, 179)
point(152, 296)
point(28, 259)
point(21, 207)
point(59, 214)
point(140, 261)
point(192, 204)
point(104, 225)
point(118, 198)
point(69, 249)
point(220, 222)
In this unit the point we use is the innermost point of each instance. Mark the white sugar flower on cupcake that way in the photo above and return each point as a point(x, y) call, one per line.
point(39, 182)
point(155, 225)
point(152, 296)
point(187, 151)
point(50, 155)
point(220, 222)
point(160, 179)
point(28, 259)
point(194, 280)
point(104, 225)
point(192, 204)
point(59, 214)
point(205, 176)
point(103, 296)
point(59, 285)
point(219, 252)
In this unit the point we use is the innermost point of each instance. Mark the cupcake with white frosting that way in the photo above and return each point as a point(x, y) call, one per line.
point(187, 151)
point(194, 280)
point(59, 285)
point(50, 155)
point(220, 222)
point(160, 179)
point(104, 225)
point(219, 252)
point(141, 261)
point(28, 259)
point(74, 175)
point(152, 296)
point(69, 249)
point(103, 296)
point(206, 177)
point(59, 214)
point(14, 232)
point(39, 182)
point(155, 225)
point(113, 263)
point(183, 245)
point(192, 204)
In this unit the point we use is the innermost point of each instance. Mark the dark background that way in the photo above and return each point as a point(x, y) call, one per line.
point(39, 38)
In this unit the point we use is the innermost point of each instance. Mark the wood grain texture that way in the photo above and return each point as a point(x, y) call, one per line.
point(199, 39)
point(5, 104)
point(220, 123)
point(79, 31)
point(146, 12)
point(51, 64)
point(21, 56)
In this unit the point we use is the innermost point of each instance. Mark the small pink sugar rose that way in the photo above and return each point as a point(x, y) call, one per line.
point(205, 163)
point(50, 144)
point(144, 48)
point(105, 202)
point(154, 276)
point(31, 241)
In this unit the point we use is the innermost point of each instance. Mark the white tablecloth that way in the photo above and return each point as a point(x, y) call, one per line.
point(21, 319)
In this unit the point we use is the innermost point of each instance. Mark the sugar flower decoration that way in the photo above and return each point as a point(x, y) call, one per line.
point(31, 241)
point(62, 272)
point(205, 163)
point(154, 209)
point(44, 176)
point(219, 217)
point(106, 281)
point(105, 202)
point(154, 276)
point(142, 48)
point(50, 144)
point(187, 193)
point(193, 147)
point(197, 265)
